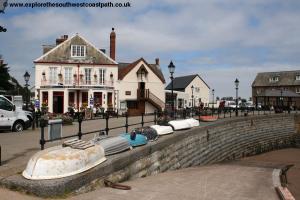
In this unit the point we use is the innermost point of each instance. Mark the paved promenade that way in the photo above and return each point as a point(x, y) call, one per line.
point(228, 181)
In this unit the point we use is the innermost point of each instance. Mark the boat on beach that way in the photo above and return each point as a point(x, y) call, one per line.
point(112, 145)
point(193, 122)
point(162, 130)
point(147, 131)
point(73, 157)
point(134, 141)
point(179, 124)
point(208, 118)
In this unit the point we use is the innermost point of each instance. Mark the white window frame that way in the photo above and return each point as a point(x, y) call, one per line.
point(78, 51)
point(297, 77)
point(298, 90)
point(102, 74)
point(68, 75)
point(88, 76)
point(53, 75)
point(274, 79)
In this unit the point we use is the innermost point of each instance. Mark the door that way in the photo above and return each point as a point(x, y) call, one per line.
point(109, 100)
point(6, 114)
point(142, 89)
point(98, 99)
point(58, 102)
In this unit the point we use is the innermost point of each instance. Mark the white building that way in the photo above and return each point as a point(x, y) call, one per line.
point(188, 91)
point(76, 73)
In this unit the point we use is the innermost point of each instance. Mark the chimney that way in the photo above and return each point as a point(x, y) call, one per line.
point(113, 44)
point(61, 39)
point(157, 61)
point(47, 48)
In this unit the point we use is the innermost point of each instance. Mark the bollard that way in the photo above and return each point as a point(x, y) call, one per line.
point(106, 124)
point(80, 118)
point(126, 122)
point(142, 120)
point(230, 113)
point(42, 125)
point(218, 113)
point(224, 114)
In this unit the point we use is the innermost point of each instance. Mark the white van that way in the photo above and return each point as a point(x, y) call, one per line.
point(10, 118)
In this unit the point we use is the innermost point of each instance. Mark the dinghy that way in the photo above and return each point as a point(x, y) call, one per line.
point(162, 130)
point(112, 145)
point(208, 118)
point(73, 157)
point(147, 131)
point(179, 124)
point(134, 141)
point(193, 122)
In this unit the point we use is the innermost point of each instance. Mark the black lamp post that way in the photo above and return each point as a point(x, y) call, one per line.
point(213, 94)
point(281, 97)
point(26, 78)
point(192, 87)
point(171, 70)
point(236, 82)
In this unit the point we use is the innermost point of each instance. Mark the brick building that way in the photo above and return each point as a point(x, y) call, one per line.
point(277, 89)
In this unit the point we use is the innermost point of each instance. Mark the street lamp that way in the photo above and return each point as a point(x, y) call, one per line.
point(236, 82)
point(281, 97)
point(171, 70)
point(26, 78)
point(192, 87)
point(213, 94)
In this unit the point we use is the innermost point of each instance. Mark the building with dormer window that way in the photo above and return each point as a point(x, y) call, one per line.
point(74, 73)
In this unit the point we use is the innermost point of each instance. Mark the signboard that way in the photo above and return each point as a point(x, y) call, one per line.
point(37, 104)
point(88, 113)
point(54, 129)
point(91, 101)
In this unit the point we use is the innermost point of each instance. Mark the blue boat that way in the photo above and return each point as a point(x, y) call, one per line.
point(135, 139)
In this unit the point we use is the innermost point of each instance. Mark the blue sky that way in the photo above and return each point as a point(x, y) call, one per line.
point(220, 40)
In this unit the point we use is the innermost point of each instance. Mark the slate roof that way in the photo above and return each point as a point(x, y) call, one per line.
point(62, 53)
point(180, 83)
point(277, 93)
point(125, 68)
point(286, 78)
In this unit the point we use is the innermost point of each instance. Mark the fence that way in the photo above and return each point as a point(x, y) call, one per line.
point(79, 134)
point(176, 114)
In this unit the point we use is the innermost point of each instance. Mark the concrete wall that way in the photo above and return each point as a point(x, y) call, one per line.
point(226, 139)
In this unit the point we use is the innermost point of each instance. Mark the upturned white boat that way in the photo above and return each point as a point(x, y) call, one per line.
point(193, 122)
point(61, 161)
point(112, 145)
point(162, 130)
point(179, 124)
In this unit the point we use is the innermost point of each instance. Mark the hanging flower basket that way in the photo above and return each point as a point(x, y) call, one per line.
point(75, 75)
point(60, 76)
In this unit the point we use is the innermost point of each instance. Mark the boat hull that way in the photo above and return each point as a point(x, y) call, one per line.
point(193, 122)
point(58, 162)
point(138, 141)
point(162, 130)
point(149, 132)
point(208, 118)
point(179, 125)
point(113, 145)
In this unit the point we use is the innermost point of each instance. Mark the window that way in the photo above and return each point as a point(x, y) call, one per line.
point(68, 75)
point(78, 51)
point(128, 93)
point(197, 89)
point(53, 75)
point(274, 79)
point(88, 72)
point(297, 90)
point(297, 77)
point(102, 73)
point(5, 105)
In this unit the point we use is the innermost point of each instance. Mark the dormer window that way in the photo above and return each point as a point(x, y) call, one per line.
point(297, 77)
point(78, 51)
point(274, 79)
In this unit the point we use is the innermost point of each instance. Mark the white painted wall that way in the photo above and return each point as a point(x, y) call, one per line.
point(203, 92)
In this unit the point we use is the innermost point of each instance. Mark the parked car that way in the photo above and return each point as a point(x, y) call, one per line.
point(11, 118)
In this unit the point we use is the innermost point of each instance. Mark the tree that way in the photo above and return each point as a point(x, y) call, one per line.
point(5, 77)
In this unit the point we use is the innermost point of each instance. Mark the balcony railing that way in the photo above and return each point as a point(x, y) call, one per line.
point(76, 83)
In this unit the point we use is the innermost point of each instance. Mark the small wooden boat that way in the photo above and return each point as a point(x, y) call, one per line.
point(193, 122)
point(147, 131)
point(134, 141)
point(208, 118)
point(162, 130)
point(112, 145)
point(179, 124)
point(73, 157)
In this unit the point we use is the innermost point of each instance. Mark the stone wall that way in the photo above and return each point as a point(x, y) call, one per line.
point(227, 139)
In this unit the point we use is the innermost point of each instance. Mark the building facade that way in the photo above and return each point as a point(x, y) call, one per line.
point(74, 73)
point(271, 89)
point(189, 91)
